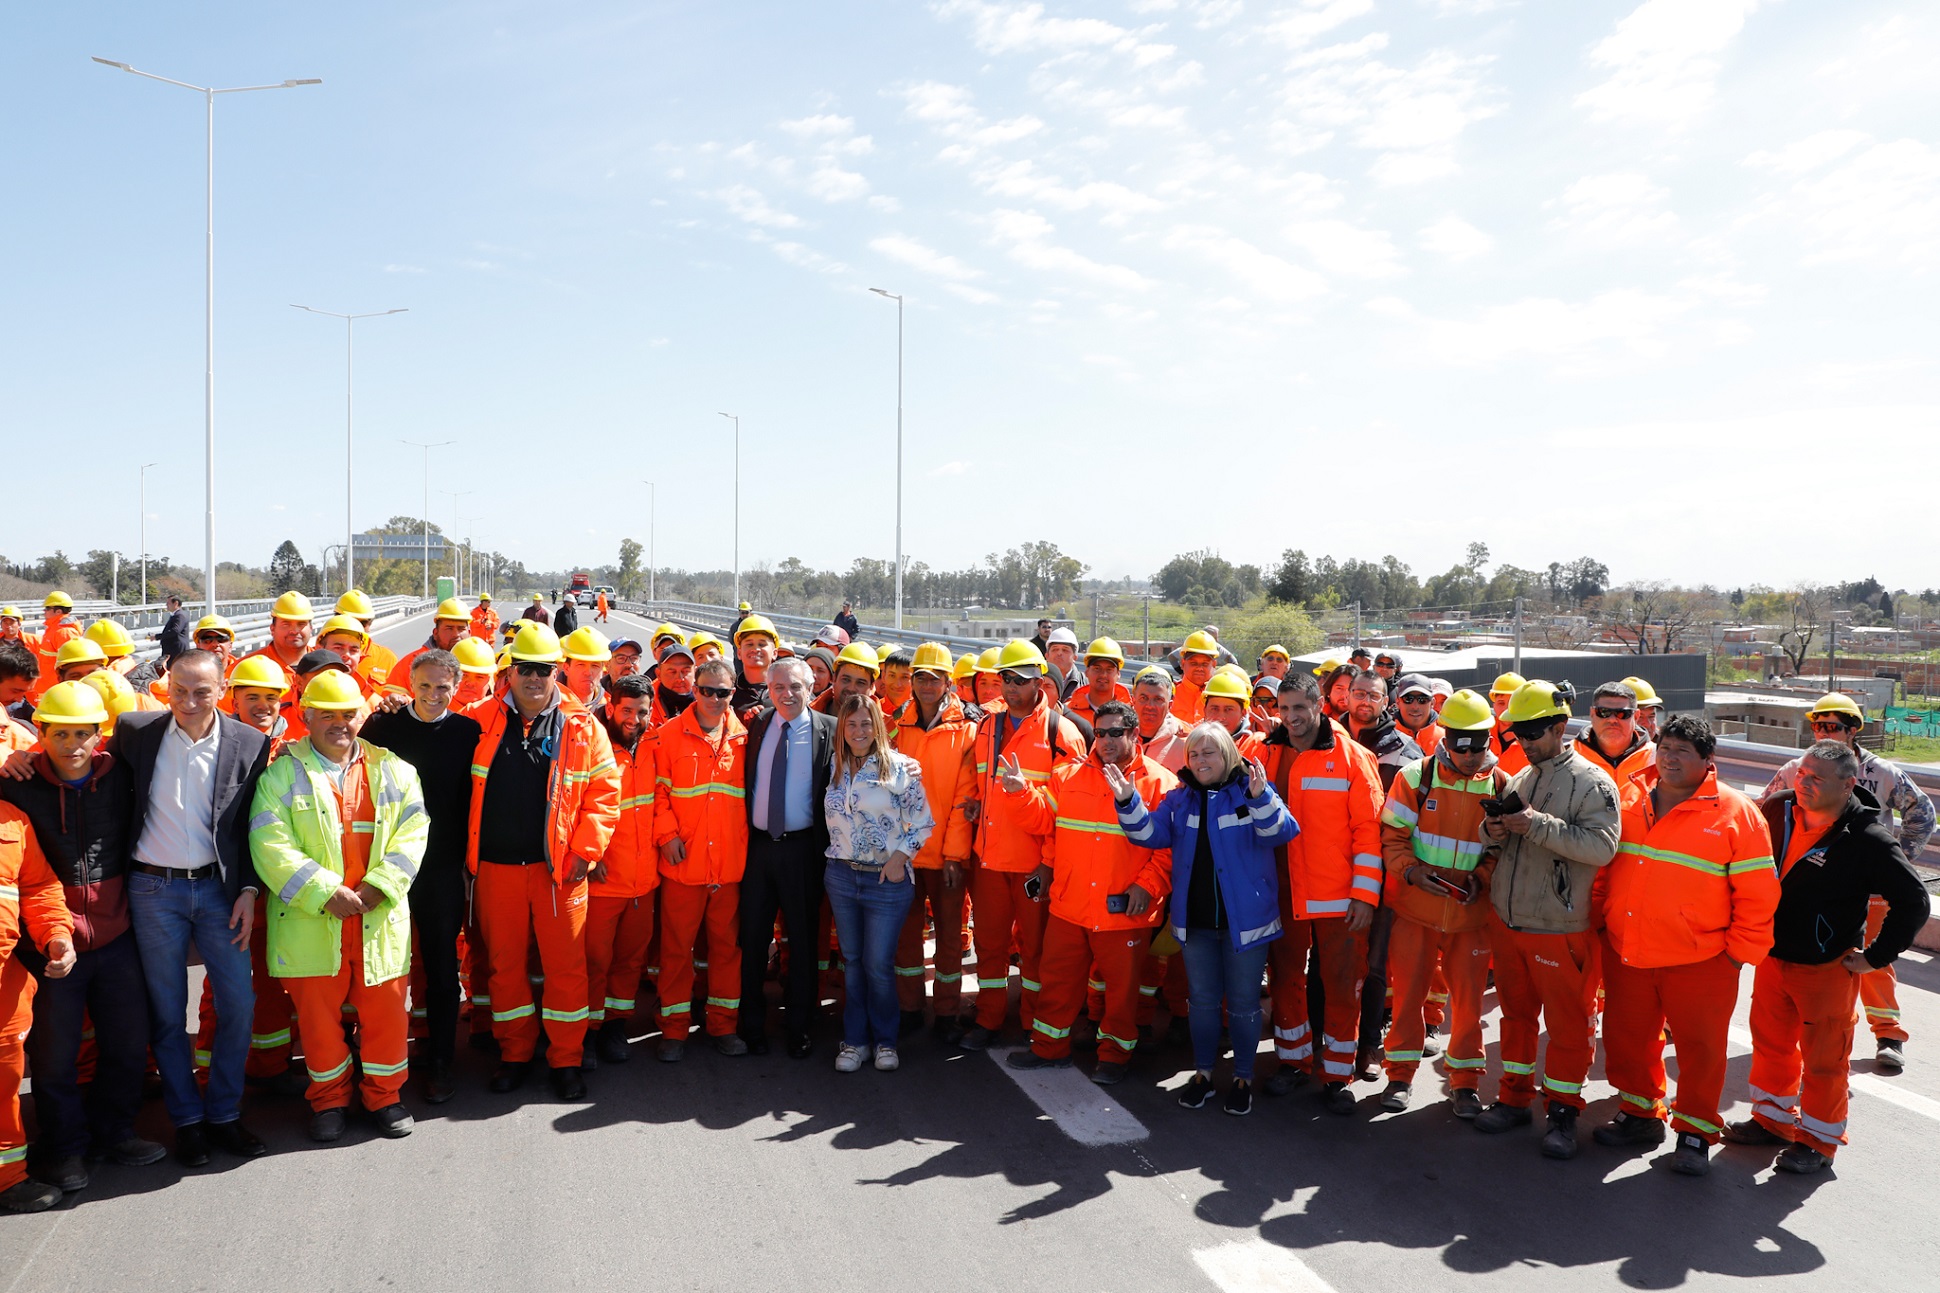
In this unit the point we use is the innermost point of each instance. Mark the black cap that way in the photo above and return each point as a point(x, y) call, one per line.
point(317, 661)
point(678, 648)
point(1414, 682)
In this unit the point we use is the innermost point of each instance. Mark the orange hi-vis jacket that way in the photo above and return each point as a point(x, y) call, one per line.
point(583, 794)
point(48, 647)
point(1508, 751)
point(1080, 702)
point(1433, 818)
point(31, 898)
point(1188, 701)
point(947, 751)
point(1641, 754)
point(485, 625)
point(1428, 738)
point(632, 866)
point(1334, 792)
point(701, 791)
point(1044, 741)
point(1695, 882)
point(287, 666)
point(1087, 851)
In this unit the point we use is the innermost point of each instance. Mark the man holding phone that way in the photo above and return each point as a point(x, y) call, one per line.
point(1092, 930)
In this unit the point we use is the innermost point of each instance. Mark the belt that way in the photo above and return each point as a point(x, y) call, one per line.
point(179, 873)
point(854, 865)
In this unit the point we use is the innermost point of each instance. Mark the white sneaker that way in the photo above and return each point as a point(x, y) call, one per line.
point(848, 1058)
point(886, 1060)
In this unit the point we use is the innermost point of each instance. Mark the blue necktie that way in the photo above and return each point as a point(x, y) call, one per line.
point(778, 785)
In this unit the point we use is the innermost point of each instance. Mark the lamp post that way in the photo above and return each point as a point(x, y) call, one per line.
point(451, 542)
point(653, 507)
point(736, 419)
point(350, 538)
point(418, 444)
point(471, 581)
point(141, 485)
point(899, 449)
point(209, 94)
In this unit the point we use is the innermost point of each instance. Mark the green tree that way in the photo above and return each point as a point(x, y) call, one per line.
point(627, 578)
point(286, 567)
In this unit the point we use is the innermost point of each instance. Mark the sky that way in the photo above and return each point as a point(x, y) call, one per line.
point(1650, 282)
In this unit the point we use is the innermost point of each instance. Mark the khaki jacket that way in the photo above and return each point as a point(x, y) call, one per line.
point(1542, 880)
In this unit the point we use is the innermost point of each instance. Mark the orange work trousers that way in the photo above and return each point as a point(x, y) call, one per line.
point(478, 978)
point(1435, 1013)
point(16, 1017)
point(1545, 981)
point(1696, 1000)
point(685, 910)
point(1802, 1021)
point(515, 905)
point(1005, 913)
point(617, 933)
point(1342, 956)
point(942, 907)
point(272, 1029)
point(1880, 990)
point(383, 1029)
point(1416, 955)
point(1164, 976)
point(1071, 956)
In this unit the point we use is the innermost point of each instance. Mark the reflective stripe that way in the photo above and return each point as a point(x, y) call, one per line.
point(262, 820)
point(725, 1003)
point(1338, 784)
point(329, 1075)
point(1751, 864)
point(1247, 937)
point(363, 828)
point(9, 891)
point(517, 1012)
point(481, 770)
point(265, 1041)
point(1144, 991)
point(1672, 856)
point(565, 1016)
point(1372, 861)
point(1823, 1130)
point(596, 1016)
point(1396, 813)
point(1334, 906)
point(1402, 1057)
point(1055, 1034)
point(1292, 1034)
point(707, 788)
point(1095, 985)
point(950, 978)
point(385, 1070)
point(683, 1008)
point(910, 971)
point(1336, 1068)
point(1521, 1070)
point(619, 1003)
point(1367, 884)
point(1271, 825)
point(1454, 1063)
point(1699, 1123)
point(1095, 828)
point(294, 885)
point(18, 1154)
point(1881, 1012)
point(1567, 1088)
point(992, 984)
point(1648, 1106)
point(1294, 1052)
point(1030, 985)
point(1123, 1044)
point(1447, 851)
point(1227, 821)
point(403, 863)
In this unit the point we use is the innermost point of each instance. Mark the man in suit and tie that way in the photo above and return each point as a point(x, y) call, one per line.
point(790, 751)
point(191, 881)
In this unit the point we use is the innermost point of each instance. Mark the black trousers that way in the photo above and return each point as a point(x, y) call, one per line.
point(105, 987)
point(438, 914)
point(783, 876)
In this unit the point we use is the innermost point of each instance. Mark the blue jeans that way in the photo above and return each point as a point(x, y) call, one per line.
point(1216, 973)
point(169, 914)
point(868, 921)
point(104, 987)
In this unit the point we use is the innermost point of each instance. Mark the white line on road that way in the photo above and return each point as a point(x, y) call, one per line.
point(1892, 1093)
point(1256, 1266)
point(1075, 1104)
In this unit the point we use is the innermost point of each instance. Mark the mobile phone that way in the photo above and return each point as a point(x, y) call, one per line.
point(1455, 891)
point(1033, 887)
point(1115, 903)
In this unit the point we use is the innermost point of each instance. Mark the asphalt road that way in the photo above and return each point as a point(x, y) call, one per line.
point(767, 1172)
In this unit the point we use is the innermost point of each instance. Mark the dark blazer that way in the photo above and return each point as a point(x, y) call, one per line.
point(175, 634)
point(241, 755)
point(821, 732)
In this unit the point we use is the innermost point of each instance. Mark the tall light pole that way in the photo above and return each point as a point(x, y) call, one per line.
point(452, 543)
point(209, 94)
point(141, 485)
point(419, 444)
point(350, 539)
point(736, 419)
point(471, 581)
point(653, 508)
point(899, 449)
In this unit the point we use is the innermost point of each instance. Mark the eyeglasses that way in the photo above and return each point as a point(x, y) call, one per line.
point(1015, 679)
point(714, 693)
point(1112, 733)
point(532, 669)
point(1607, 711)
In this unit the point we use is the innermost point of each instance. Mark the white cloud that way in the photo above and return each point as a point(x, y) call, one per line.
point(1880, 203)
point(1262, 273)
point(1663, 61)
point(404, 269)
point(1616, 210)
point(1341, 248)
point(1300, 25)
point(808, 258)
point(833, 184)
point(953, 468)
point(1411, 116)
point(819, 126)
point(747, 204)
point(1013, 28)
point(1455, 238)
point(1029, 237)
point(917, 255)
point(1810, 153)
point(1020, 180)
point(1609, 330)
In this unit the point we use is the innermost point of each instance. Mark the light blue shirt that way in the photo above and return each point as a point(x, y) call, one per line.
point(797, 810)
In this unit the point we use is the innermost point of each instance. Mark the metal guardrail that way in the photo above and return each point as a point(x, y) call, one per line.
point(800, 628)
point(252, 630)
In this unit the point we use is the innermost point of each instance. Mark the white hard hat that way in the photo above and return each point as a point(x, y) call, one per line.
point(1066, 636)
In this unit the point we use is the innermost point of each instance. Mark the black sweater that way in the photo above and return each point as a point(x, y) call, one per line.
point(442, 753)
point(1823, 899)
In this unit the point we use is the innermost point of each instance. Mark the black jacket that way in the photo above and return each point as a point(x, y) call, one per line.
point(442, 753)
point(84, 833)
point(1823, 898)
point(1393, 750)
point(566, 618)
point(175, 635)
point(848, 624)
point(241, 755)
point(821, 731)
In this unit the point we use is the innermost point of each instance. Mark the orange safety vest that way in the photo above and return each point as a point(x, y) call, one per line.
point(1089, 856)
point(1080, 702)
point(1043, 741)
point(946, 751)
point(583, 794)
point(701, 786)
point(1334, 792)
point(485, 625)
point(1433, 818)
point(30, 894)
point(631, 868)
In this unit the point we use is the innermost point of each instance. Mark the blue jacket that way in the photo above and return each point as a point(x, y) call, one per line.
point(1245, 833)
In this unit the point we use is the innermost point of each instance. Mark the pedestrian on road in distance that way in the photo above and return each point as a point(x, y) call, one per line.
point(1161, 735)
point(338, 832)
point(537, 612)
point(1690, 904)
point(755, 641)
point(599, 608)
point(734, 628)
point(565, 616)
point(1834, 851)
point(1222, 823)
point(1837, 717)
point(174, 637)
point(484, 620)
point(846, 621)
point(791, 752)
point(878, 820)
point(39, 918)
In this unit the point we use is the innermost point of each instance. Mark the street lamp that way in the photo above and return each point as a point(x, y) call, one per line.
point(419, 444)
point(141, 485)
point(350, 527)
point(455, 495)
point(736, 419)
point(471, 580)
point(899, 449)
point(653, 508)
point(209, 94)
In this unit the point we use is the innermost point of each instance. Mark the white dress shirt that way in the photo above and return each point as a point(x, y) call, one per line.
point(180, 827)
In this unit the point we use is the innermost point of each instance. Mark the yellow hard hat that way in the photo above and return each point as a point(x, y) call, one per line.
point(112, 638)
point(355, 602)
point(1328, 666)
point(538, 597)
point(1021, 655)
point(701, 638)
point(666, 631)
point(535, 644)
point(292, 606)
point(987, 662)
point(1646, 694)
point(754, 624)
point(746, 607)
point(931, 657)
point(452, 609)
point(9, 612)
point(1506, 684)
point(1229, 687)
point(1535, 699)
point(1466, 711)
point(333, 689)
point(1104, 649)
point(114, 690)
point(1154, 673)
point(82, 650)
point(73, 703)
point(261, 671)
point(58, 599)
point(587, 644)
point(1233, 669)
point(484, 597)
point(1833, 702)
point(862, 655)
point(1276, 649)
point(1199, 642)
point(343, 624)
point(217, 624)
point(503, 660)
point(473, 656)
point(965, 666)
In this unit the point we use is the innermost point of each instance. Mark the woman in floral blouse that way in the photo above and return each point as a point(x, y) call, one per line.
point(878, 819)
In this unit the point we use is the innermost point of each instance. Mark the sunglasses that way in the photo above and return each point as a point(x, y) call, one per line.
point(212, 638)
point(1827, 725)
point(1015, 679)
point(1112, 733)
point(1532, 730)
point(714, 693)
point(1417, 698)
point(1607, 711)
point(532, 669)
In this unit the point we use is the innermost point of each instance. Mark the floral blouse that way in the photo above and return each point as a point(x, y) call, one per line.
point(872, 815)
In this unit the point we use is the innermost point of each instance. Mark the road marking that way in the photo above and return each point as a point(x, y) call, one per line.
point(1871, 1084)
point(1071, 1100)
point(1256, 1266)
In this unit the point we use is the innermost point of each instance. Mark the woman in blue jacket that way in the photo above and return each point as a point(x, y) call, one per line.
point(1225, 894)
